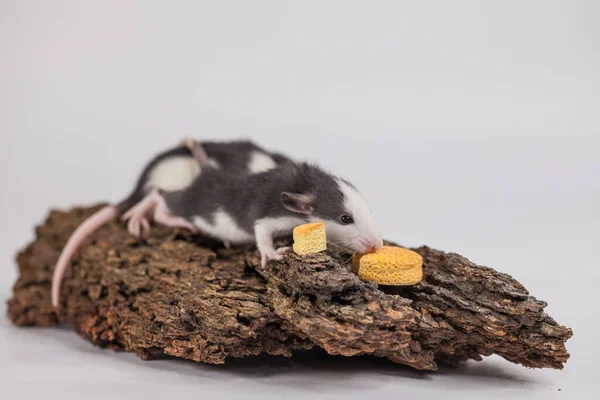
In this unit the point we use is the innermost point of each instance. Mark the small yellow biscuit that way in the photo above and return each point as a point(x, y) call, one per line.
point(389, 265)
point(310, 238)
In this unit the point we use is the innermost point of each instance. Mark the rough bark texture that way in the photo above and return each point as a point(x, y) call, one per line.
point(178, 294)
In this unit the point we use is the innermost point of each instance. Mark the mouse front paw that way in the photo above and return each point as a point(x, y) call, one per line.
point(272, 254)
point(282, 250)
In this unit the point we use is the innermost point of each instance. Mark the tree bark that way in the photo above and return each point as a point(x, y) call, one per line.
point(178, 294)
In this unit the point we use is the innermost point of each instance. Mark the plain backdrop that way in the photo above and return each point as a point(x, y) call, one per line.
point(470, 126)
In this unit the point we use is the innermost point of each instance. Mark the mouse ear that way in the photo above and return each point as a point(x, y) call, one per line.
point(298, 203)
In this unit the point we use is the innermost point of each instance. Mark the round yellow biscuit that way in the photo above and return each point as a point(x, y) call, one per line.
point(389, 265)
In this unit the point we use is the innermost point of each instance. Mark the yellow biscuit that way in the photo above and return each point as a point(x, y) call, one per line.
point(389, 265)
point(310, 238)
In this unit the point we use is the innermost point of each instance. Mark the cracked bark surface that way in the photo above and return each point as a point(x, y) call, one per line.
point(173, 293)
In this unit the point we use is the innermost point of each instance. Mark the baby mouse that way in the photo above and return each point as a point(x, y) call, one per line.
point(260, 207)
point(171, 170)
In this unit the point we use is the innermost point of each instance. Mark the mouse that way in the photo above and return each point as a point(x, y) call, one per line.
point(260, 207)
point(172, 170)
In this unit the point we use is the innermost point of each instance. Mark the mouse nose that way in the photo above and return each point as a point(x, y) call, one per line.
point(371, 246)
point(375, 245)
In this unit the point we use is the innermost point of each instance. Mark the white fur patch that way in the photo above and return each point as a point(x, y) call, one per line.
point(260, 162)
point(267, 228)
point(279, 225)
point(224, 228)
point(173, 173)
point(363, 233)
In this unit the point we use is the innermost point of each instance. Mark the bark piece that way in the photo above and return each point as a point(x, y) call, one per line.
point(459, 311)
point(159, 295)
point(177, 294)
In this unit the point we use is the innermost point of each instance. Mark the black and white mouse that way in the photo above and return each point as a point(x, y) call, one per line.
point(262, 206)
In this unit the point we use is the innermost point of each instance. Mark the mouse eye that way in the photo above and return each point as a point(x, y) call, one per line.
point(346, 219)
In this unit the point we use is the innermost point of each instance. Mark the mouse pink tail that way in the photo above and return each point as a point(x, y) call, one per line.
point(88, 226)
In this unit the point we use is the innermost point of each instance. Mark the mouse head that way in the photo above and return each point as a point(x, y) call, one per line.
point(349, 223)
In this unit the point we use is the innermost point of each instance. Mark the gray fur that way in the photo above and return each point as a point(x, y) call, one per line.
point(252, 197)
point(233, 158)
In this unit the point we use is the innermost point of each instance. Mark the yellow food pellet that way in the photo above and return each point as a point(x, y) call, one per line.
point(310, 238)
point(389, 265)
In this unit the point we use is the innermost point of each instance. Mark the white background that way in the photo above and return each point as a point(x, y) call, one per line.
point(470, 126)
